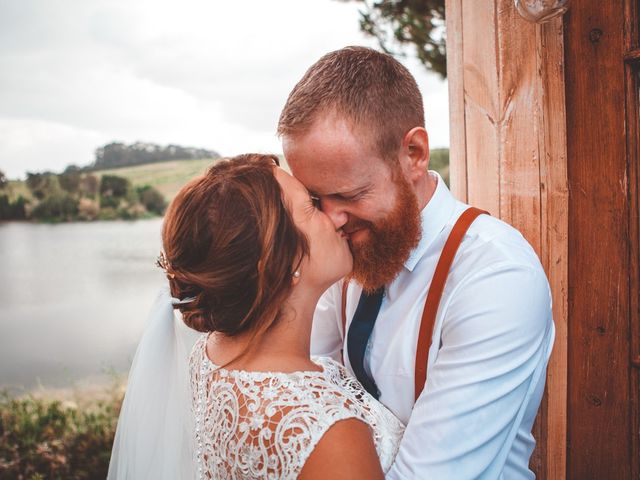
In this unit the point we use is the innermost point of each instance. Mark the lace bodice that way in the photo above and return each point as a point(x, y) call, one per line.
point(253, 425)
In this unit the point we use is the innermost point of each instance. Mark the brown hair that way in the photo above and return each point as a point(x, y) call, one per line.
point(372, 89)
point(230, 242)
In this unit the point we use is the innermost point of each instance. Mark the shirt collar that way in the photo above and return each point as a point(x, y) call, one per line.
point(434, 217)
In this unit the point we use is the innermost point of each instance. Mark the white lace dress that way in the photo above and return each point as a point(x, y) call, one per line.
point(266, 424)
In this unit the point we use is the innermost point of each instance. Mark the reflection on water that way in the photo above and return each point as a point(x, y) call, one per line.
point(74, 298)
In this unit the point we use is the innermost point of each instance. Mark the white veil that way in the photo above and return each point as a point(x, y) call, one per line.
point(155, 434)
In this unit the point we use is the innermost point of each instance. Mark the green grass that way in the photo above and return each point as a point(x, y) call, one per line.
point(167, 177)
point(17, 188)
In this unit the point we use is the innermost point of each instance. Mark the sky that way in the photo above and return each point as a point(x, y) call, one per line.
point(78, 74)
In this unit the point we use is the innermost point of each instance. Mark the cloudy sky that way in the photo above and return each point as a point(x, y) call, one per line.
point(77, 74)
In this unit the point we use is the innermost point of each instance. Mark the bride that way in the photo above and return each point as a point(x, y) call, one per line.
point(247, 255)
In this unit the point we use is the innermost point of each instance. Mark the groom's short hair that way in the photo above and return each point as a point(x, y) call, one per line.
point(372, 90)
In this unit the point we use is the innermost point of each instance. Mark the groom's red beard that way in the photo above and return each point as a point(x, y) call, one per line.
point(379, 258)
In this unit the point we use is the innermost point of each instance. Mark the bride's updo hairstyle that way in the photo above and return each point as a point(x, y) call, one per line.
point(230, 242)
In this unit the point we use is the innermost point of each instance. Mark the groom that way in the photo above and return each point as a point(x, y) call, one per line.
point(353, 133)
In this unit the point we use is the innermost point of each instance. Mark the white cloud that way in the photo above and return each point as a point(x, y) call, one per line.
point(214, 74)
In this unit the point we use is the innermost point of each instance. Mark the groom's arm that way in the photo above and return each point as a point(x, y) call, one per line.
point(326, 333)
point(496, 337)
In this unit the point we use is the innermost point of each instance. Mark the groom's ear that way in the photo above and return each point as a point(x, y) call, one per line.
point(415, 152)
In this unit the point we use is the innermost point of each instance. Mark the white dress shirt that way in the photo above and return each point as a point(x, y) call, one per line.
point(487, 362)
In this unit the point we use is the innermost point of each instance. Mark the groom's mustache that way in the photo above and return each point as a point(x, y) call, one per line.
point(355, 225)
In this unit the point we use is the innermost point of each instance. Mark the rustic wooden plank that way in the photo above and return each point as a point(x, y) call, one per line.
point(518, 123)
point(555, 224)
point(633, 165)
point(481, 104)
point(482, 160)
point(599, 418)
point(519, 128)
point(457, 122)
point(515, 134)
point(632, 56)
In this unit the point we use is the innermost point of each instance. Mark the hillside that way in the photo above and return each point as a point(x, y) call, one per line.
point(167, 177)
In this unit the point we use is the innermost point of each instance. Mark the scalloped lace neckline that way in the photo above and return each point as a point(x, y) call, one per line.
point(319, 361)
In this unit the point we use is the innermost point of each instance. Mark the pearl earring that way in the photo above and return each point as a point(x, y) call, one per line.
point(296, 274)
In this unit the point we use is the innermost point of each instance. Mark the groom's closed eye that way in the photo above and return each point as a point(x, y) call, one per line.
point(352, 196)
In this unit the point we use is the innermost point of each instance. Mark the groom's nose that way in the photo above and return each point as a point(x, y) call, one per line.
point(334, 211)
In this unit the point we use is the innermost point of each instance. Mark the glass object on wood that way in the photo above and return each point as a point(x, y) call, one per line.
point(540, 11)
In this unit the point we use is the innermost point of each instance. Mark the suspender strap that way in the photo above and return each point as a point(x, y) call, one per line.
point(435, 294)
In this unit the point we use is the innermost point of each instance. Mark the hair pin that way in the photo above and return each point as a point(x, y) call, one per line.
point(164, 264)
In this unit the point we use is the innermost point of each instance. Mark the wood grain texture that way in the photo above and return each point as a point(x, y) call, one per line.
point(632, 84)
point(514, 128)
point(554, 198)
point(634, 264)
point(480, 73)
point(457, 138)
point(599, 410)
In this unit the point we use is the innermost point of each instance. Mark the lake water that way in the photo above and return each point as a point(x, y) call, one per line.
point(73, 299)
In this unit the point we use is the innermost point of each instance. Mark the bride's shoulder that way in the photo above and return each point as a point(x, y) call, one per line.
point(329, 365)
point(197, 355)
point(338, 374)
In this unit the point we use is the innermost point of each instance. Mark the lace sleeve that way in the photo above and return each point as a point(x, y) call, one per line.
point(303, 430)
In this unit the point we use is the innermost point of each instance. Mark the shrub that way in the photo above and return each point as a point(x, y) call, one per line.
point(15, 210)
point(43, 185)
point(114, 186)
point(108, 213)
point(57, 207)
point(152, 199)
point(88, 209)
point(131, 212)
point(55, 440)
point(70, 181)
point(109, 202)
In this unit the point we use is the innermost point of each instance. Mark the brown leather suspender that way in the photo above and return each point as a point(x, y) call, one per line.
point(433, 297)
point(436, 288)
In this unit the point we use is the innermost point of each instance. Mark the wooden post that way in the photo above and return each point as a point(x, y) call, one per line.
point(508, 155)
point(603, 225)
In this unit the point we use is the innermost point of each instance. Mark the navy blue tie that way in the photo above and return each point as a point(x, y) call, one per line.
point(359, 332)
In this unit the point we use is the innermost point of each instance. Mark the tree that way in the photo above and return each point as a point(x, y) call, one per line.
point(56, 207)
point(3, 180)
point(70, 181)
point(117, 154)
point(72, 168)
point(43, 184)
point(408, 22)
point(152, 199)
point(114, 186)
point(12, 210)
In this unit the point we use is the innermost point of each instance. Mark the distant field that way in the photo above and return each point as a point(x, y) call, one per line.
point(17, 188)
point(167, 177)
